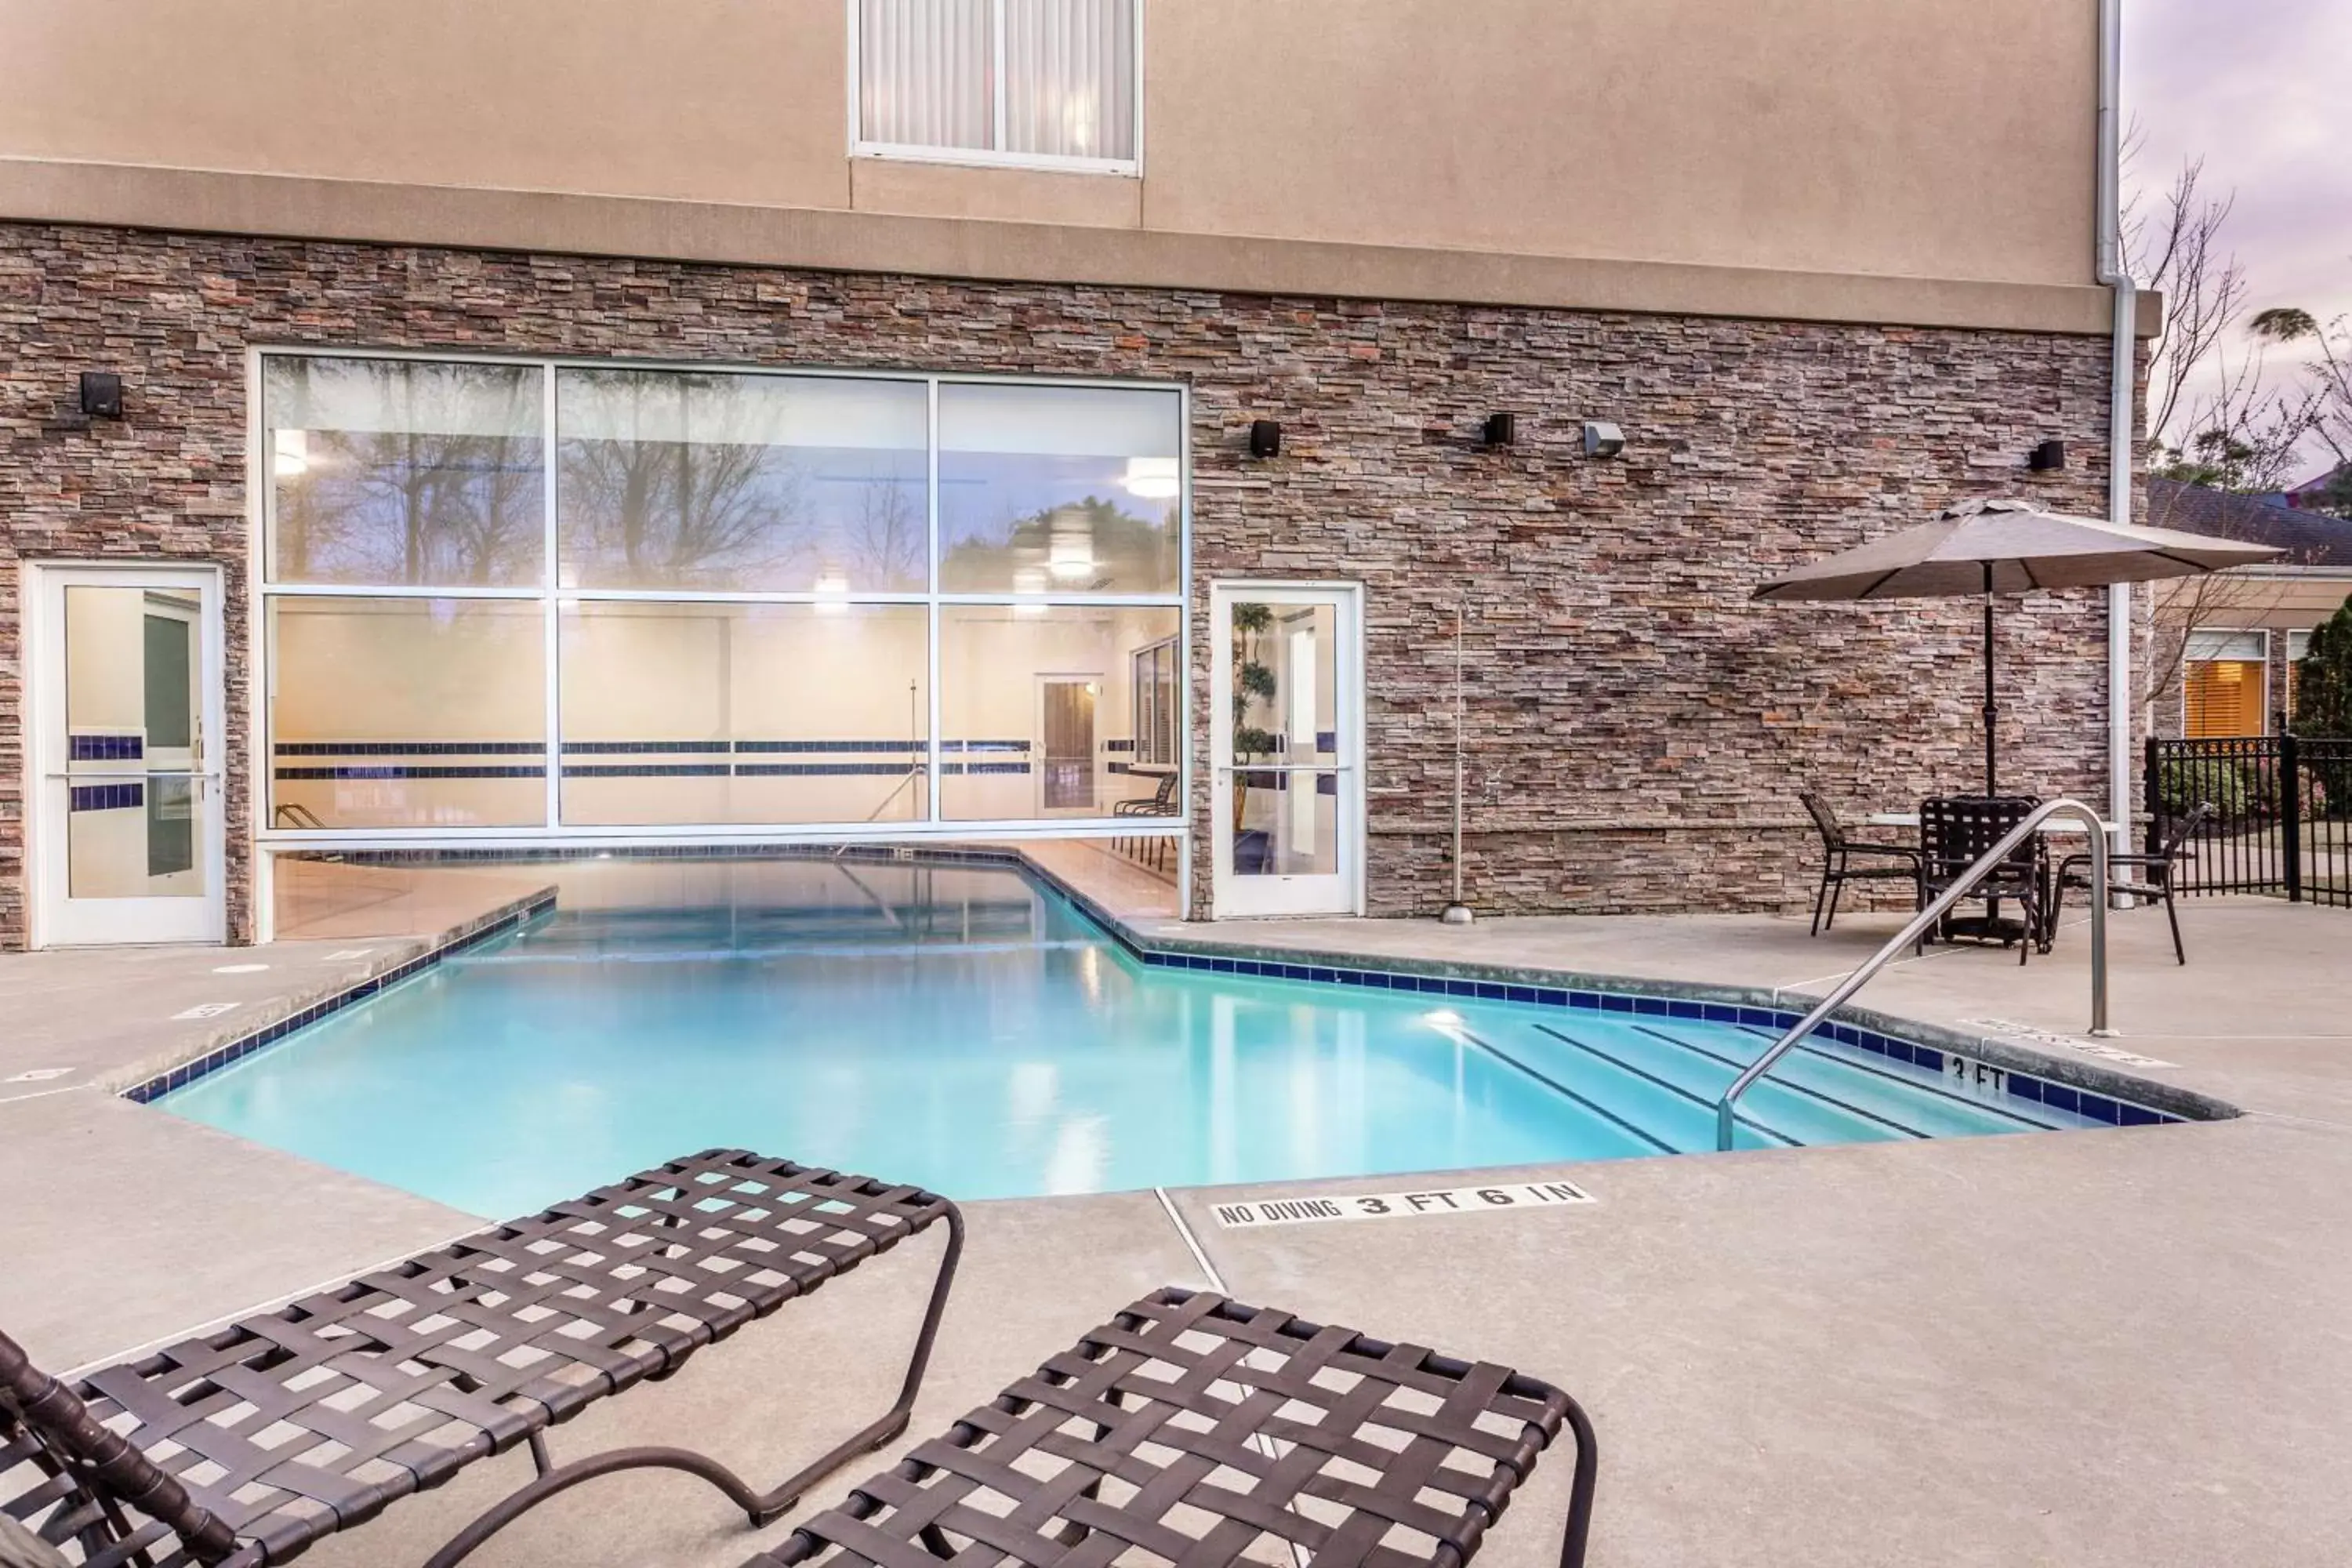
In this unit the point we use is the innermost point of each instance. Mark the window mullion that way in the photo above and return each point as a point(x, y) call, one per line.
point(932, 674)
point(997, 85)
point(551, 605)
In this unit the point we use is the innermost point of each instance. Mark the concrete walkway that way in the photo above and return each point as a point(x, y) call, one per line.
point(121, 1225)
point(2095, 1348)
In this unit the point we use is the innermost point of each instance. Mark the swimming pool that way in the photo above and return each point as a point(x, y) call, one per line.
point(965, 1028)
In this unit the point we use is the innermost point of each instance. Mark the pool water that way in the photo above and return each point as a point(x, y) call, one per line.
point(965, 1030)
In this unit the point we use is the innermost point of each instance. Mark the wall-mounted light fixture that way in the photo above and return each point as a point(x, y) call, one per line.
point(1502, 429)
point(1603, 439)
point(101, 395)
point(1266, 438)
point(2048, 458)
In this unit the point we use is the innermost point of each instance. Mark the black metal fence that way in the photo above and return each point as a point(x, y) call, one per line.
point(2282, 814)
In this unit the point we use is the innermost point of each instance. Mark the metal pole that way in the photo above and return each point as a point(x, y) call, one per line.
point(1457, 913)
point(2289, 763)
point(1991, 704)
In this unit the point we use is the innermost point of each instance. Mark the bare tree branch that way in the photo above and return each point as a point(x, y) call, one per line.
point(2213, 417)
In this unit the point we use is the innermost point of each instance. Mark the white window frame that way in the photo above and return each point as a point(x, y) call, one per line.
point(985, 157)
point(552, 597)
point(2187, 661)
point(1175, 647)
point(2289, 658)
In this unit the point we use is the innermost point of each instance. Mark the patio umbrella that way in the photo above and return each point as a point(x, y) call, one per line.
point(1992, 547)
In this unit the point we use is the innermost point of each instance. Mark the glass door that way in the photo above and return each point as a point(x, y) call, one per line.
point(1287, 744)
point(127, 723)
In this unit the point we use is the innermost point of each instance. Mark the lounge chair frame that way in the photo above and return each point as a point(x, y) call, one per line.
point(1201, 1431)
point(248, 1445)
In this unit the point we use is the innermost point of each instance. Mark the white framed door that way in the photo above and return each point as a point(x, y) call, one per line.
point(127, 728)
point(1286, 748)
point(1063, 744)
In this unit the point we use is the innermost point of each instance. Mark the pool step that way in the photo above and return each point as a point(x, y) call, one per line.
point(1846, 1071)
point(1773, 1115)
point(1821, 1093)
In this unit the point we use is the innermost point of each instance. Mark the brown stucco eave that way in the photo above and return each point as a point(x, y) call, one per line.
point(217, 202)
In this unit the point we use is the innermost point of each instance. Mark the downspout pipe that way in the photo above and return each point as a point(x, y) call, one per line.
point(2123, 412)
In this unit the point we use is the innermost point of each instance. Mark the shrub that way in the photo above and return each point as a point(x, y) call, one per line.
point(2323, 680)
point(2182, 783)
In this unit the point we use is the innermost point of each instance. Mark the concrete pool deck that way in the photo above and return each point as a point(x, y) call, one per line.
point(2119, 1347)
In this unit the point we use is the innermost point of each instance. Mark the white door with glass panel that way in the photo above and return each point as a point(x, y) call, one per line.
point(1286, 748)
point(126, 740)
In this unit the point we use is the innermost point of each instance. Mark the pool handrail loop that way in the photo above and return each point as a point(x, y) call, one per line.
point(1727, 1114)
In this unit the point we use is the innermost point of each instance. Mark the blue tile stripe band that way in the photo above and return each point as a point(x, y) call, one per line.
point(113, 748)
point(106, 796)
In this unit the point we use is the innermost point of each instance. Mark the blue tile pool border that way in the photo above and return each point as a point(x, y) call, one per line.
point(1978, 1073)
point(245, 1044)
point(1986, 1071)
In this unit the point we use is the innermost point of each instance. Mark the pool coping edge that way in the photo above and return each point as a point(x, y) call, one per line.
point(144, 1083)
point(1786, 1007)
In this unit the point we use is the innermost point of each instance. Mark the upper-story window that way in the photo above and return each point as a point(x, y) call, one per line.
point(1040, 84)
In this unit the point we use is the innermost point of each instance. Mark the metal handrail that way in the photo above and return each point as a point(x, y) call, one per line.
point(1726, 1109)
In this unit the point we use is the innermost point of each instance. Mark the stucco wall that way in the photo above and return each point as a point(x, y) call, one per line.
point(1638, 728)
point(1947, 141)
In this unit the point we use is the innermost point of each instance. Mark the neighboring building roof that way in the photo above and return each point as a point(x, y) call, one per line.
point(2309, 538)
point(2309, 492)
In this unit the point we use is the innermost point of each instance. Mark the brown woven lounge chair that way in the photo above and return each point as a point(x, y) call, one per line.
point(248, 1445)
point(1198, 1431)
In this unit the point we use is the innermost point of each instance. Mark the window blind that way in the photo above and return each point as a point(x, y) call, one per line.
point(2221, 698)
point(1069, 77)
point(926, 73)
point(1030, 78)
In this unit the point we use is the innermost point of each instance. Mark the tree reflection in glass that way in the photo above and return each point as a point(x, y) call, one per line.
point(740, 482)
point(401, 473)
point(1059, 489)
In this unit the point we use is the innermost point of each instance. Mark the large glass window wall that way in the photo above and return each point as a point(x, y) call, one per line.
point(554, 595)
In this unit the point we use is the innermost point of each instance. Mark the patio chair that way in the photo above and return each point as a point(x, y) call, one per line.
point(1161, 802)
point(1840, 865)
point(1191, 1429)
point(1958, 831)
point(2156, 870)
point(248, 1445)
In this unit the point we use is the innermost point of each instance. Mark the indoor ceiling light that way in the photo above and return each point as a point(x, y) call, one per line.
point(832, 590)
point(1070, 553)
point(291, 453)
point(1154, 479)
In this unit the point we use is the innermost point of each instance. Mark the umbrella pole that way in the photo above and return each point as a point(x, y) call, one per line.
point(1991, 707)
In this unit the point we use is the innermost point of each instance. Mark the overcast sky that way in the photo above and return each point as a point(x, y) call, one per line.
point(2262, 89)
